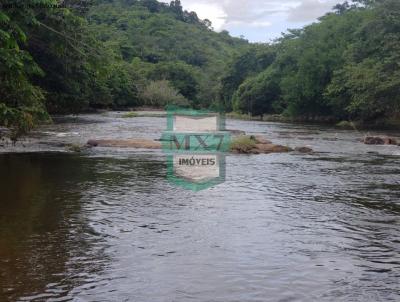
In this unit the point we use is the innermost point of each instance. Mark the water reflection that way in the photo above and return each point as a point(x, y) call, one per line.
point(46, 245)
point(108, 226)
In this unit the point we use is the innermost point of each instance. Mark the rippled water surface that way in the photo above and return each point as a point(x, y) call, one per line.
point(106, 225)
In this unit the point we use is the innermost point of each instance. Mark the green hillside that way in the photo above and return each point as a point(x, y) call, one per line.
point(128, 53)
point(344, 67)
point(106, 54)
point(163, 42)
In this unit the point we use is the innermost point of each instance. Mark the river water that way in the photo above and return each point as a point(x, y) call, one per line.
point(106, 225)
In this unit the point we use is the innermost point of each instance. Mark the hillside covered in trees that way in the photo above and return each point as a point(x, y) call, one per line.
point(105, 54)
point(344, 67)
point(128, 53)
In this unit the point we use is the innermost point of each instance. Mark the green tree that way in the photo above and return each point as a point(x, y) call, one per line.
point(251, 61)
point(21, 102)
point(368, 85)
point(258, 95)
point(161, 94)
point(181, 75)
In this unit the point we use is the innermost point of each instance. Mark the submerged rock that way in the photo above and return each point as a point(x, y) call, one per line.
point(377, 140)
point(304, 150)
point(126, 143)
point(271, 148)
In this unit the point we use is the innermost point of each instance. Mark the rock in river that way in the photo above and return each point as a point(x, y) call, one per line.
point(271, 148)
point(303, 150)
point(377, 140)
point(126, 143)
point(256, 145)
point(261, 139)
point(243, 144)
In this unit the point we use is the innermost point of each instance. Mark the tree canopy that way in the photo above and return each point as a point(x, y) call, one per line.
point(104, 54)
point(345, 66)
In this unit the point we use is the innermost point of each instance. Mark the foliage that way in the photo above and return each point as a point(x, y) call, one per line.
point(254, 59)
point(182, 76)
point(127, 53)
point(130, 115)
point(258, 94)
point(104, 54)
point(368, 85)
point(21, 102)
point(346, 66)
point(243, 144)
point(163, 42)
point(161, 94)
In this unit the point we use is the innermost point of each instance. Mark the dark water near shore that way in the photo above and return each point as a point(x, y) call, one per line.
point(107, 226)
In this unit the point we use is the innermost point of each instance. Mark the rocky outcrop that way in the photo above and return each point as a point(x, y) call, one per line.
point(378, 140)
point(272, 148)
point(126, 143)
point(241, 145)
point(256, 145)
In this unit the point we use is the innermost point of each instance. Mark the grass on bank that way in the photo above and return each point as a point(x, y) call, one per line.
point(130, 115)
point(243, 144)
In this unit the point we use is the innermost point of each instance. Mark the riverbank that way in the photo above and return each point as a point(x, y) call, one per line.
point(379, 124)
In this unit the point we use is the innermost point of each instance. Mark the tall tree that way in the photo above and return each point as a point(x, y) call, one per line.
point(21, 102)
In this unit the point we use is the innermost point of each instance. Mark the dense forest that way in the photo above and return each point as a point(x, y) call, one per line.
point(344, 67)
point(91, 54)
point(105, 54)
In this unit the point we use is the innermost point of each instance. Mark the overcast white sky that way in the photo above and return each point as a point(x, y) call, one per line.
point(259, 20)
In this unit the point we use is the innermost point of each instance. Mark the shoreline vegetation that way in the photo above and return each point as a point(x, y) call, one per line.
point(379, 124)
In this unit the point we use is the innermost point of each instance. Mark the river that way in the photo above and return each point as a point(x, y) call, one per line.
point(106, 225)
